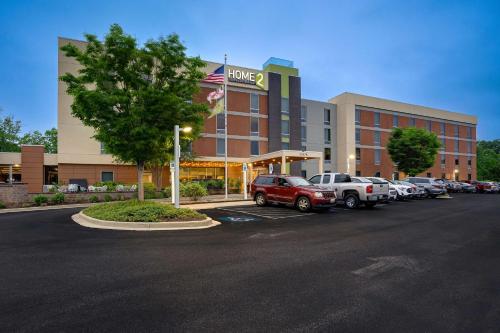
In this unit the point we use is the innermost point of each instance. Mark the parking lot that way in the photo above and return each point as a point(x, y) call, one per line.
point(422, 265)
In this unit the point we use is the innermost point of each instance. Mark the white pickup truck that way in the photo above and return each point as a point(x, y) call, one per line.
point(352, 191)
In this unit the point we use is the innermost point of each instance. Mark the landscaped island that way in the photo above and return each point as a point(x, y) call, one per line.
point(141, 211)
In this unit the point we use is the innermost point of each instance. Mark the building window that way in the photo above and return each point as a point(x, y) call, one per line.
point(303, 173)
point(328, 154)
point(358, 173)
point(395, 175)
point(455, 131)
point(357, 117)
point(220, 123)
point(285, 127)
point(376, 174)
point(377, 156)
point(304, 148)
point(429, 125)
point(412, 122)
point(220, 146)
point(103, 148)
point(254, 103)
point(285, 145)
point(254, 126)
point(457, 161)
point(284, 105)
point(469, 147)
point(443, 159)
point(254, 147)
point(442, 129)
point(469, 132)
point(303, 133)
point(376, 138)
point(395, 120)
point(443, 144)
point(107, 176)
point(429, 175)
point(328, 135)
point(358, 136)
point(376, 119)
point(358, 155)
point(469, 161)
point(326, 116)
point(457, 146)
point(469, 176)
point(303, 113)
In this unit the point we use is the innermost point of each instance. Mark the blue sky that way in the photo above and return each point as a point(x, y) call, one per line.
point(443, 54)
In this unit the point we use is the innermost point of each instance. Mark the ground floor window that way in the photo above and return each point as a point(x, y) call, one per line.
point(107, 176)
point(358, 173)
point(50, 174)
point(303, 173)
point(193, 174)
point(377, 174)
point(443, 176)
point(429, 175)
point(221, 146)
point(395, 175)
point(469, 176)
point(4, 174)
point(254, 148)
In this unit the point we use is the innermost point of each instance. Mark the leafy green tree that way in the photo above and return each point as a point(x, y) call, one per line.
point(413, 150)
point(9, 134)
point(488, 160)
point(133, 96)
point(48, 140)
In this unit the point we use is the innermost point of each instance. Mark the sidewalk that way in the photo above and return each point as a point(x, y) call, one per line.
point(208, 202)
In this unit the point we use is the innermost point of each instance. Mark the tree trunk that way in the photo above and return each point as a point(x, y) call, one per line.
point(140, 183)
point(158, 176)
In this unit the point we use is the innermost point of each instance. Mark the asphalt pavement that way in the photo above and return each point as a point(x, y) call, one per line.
point(419, 266)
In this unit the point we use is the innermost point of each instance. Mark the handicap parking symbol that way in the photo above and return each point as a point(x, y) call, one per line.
point(237, 219)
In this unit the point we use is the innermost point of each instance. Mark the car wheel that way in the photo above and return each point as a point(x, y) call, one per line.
point(370, 204)
point(432, 196)
point(303, 204)
point(351, 201)
point(260, 199)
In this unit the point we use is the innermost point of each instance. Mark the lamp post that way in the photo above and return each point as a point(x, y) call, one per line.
point(177, 155)
point(351, 157)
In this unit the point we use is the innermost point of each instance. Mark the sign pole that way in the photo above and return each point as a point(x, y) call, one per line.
point(225, 128)
point(177, 149)
point(172, 182)
point(245, 194)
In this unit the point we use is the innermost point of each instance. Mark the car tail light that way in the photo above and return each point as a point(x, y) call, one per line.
point(369, 189)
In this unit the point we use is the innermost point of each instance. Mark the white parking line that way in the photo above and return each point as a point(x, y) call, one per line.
point(266, 212)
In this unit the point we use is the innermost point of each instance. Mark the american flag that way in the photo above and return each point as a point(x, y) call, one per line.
point(216, 77)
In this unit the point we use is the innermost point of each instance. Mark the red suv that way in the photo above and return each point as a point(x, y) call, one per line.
point(292, 191)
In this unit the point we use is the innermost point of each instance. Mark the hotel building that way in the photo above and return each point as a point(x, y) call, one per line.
point(268, 123)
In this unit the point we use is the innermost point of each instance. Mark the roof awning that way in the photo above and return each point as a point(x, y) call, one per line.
point(286, 155)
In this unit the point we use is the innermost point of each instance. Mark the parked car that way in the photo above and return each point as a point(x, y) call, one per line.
point(431, 186)
point(292, 191)
point(417, 191)
point(493, 187)
point(467, 188)
point(393, 193)
point(403, 191)
point(352, 191)
point(451, 186)
point(484, 187)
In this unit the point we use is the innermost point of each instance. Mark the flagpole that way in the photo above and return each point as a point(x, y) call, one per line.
point(225, 128)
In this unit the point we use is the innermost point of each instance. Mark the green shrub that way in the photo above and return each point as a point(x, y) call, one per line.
point(167, 192)
point(111, 185)
point(2, 205)
point(58, 198)
point(93, 198)
point(141, 211)
point(193, 190)
point(40, 199)
point(108, 198)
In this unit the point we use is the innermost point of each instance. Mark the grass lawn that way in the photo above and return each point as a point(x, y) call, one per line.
point(137, 211)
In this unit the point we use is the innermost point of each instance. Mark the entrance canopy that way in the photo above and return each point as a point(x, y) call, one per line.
point(283, 156)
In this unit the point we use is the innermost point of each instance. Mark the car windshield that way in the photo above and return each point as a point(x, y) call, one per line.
point(297, 181)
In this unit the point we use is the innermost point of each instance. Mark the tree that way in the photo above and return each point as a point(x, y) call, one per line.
point(133, 96)
point(48, 140)
point(9, 134)
point(413, 150)
point(488, 160)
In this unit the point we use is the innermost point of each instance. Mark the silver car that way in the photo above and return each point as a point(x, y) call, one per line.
point(431, 186)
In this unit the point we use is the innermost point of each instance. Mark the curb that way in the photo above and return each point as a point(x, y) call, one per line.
point(91, 222)
point(39, 208)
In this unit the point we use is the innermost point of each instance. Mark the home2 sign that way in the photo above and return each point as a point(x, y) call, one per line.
point(246, 77)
